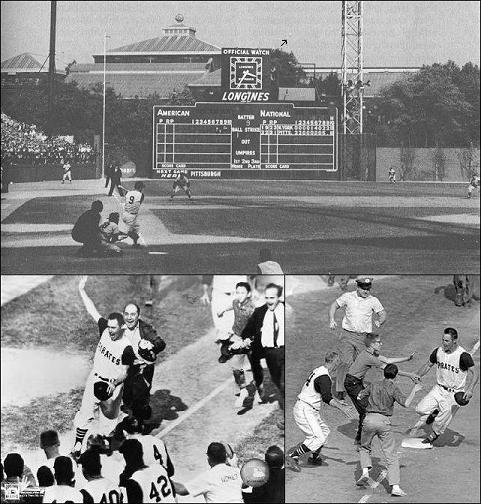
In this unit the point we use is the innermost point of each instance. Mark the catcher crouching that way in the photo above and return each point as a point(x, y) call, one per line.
point(147, 344)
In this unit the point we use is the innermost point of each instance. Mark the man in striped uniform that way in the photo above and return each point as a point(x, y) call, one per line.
point(453, 366)
point(315, 391)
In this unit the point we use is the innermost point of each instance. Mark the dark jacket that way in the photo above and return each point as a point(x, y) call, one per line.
point(149, 333)
point(253, 330)
point(86, 229)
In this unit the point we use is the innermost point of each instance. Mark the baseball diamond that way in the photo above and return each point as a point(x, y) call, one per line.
point(407, 228)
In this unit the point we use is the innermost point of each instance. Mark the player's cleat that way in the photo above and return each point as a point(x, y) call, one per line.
point(398, 492)
point(76, 451)
point(430, 439)
point(317, 461)
point(243, 395)
point(431, 417)
point(363, 480)
point(292, 463)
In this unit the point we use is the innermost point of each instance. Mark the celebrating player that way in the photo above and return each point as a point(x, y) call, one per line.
point(133, 200)
point(181, 182)
point(103, 389)
point(315, 391)
point(453, 366)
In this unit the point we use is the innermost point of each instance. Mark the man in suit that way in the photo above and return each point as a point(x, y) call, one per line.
point(265, 332)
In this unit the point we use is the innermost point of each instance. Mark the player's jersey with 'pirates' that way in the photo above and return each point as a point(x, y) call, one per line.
point(133, 199)
point(317, 388)
point(452, 367)
point(111, 357)
point(102, 490)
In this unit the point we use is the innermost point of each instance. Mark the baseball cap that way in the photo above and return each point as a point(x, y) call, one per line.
point(364, 282)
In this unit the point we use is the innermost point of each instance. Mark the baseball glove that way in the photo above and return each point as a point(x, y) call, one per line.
point(459, 398)
point(146, 350)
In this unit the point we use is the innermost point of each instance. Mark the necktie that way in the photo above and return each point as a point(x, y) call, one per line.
point(276, 329)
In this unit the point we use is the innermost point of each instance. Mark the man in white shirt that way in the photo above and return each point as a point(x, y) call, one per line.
point(360, 306)
point(221, 483)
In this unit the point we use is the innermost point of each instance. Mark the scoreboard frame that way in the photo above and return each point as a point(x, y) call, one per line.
point(262, 120)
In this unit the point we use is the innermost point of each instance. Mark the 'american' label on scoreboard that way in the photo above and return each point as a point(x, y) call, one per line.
point(247, 136)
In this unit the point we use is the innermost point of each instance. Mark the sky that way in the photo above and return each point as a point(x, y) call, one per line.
point(395, 33)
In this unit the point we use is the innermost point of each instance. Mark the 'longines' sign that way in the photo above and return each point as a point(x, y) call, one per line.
point(246, 75)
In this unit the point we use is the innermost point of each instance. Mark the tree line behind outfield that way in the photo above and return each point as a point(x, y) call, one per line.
point(438, 106)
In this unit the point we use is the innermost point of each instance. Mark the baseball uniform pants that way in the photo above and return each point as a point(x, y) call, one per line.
point(91, 407)
point(309, 420)
point(442, 400)
point(376, 424)
point(350, 346)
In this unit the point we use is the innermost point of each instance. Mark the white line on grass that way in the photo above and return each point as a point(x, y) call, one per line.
point(196, 407)
point(159, 253)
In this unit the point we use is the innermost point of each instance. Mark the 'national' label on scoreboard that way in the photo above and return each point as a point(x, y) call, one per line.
point(243, 136)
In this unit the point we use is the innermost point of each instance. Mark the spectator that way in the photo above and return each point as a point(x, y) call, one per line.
point(274, 490)
point(45, 477)
point(17, 472)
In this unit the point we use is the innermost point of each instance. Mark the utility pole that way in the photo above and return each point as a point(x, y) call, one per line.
point(51, 67)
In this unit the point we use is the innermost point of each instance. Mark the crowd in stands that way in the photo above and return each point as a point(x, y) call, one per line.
point(143, 469)
point(25, 143)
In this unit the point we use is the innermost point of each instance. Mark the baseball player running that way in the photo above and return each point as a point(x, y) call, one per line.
point(453, 366)
point(473, 184)
point(112, 358)
point(133, 200)
point(315, 391)
point(181, 182)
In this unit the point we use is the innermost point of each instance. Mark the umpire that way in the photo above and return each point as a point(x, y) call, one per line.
point(147, 344)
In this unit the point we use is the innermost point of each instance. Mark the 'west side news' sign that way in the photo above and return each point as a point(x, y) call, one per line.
point(246, 75)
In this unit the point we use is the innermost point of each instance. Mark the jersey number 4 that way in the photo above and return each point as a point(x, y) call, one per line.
point(309, 379)
point(164, 489)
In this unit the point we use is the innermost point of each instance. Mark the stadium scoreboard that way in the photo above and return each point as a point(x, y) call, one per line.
point(209, 140)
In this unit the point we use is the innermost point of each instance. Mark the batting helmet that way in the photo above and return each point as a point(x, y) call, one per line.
point(459, 398)
point(100, 391)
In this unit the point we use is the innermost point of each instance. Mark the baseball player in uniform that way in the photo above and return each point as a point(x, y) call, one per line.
point(392, 175)
point(153, 448)
point(144, 483)
point(103, 389)
point(453, 366)
point(360, 306)
point(133, 200)
point(97, 488)
point(473, 184)
point(307, 412)
point(67, 172)
point(181, 182)
point(64, 490)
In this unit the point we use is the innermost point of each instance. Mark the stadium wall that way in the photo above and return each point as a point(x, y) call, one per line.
point(423, 164)
point(28, 172)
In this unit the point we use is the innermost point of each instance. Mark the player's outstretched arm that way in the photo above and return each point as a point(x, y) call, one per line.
point(395, 360)
point(410, 397)
point(88, 303)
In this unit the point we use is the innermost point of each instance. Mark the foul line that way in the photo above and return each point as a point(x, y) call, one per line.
point(373, 484)
point(196, 407)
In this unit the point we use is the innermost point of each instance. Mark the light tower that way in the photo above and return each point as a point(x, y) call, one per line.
point(352, 67)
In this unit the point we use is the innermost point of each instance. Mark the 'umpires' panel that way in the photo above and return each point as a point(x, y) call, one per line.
point(243, 136)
